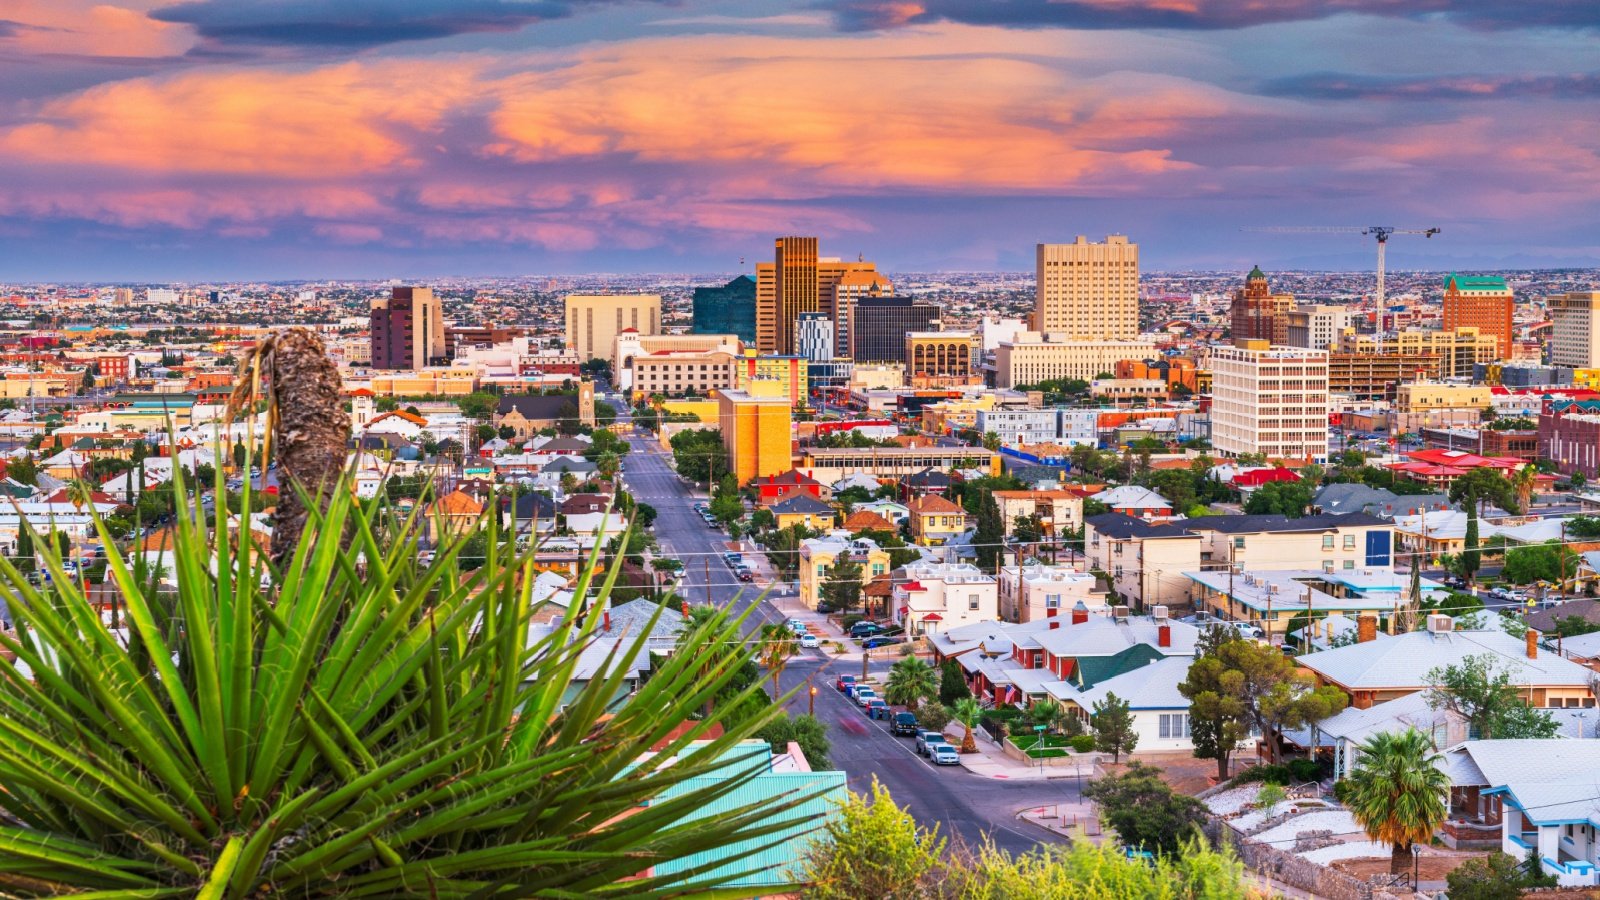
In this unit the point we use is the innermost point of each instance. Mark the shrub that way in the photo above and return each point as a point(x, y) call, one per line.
point(1304, 770)
point(1342, 789)
point(1270, 795)
point(1279, 775)
point(850, 620)
point(1082, 743)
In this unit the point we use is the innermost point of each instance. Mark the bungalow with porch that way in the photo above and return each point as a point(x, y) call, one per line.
point(1541, 795)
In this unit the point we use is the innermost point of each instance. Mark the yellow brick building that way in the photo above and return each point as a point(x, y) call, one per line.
point(757, 430)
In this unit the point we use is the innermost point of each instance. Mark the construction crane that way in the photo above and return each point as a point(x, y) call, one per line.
point(1381, 232)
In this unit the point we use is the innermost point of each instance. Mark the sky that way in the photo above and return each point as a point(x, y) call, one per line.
point(146, 140)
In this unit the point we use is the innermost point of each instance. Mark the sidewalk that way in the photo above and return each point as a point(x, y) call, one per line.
point(1070, 820)
point(992, 762)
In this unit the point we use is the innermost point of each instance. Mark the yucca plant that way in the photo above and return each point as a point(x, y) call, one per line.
point(350, 722)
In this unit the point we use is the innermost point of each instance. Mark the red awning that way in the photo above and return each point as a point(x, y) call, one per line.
point(933, 617)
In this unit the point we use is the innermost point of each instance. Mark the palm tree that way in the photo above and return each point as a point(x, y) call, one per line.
point(778, 644)
point(967, 712)
point(910, 682)
point(1399, 792)
point(1049, 713)
point(1523, 481)
point(350, 721)
point(607, 465)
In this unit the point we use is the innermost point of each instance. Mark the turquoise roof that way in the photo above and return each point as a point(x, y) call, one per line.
point(1256, 273)
point(1469, 283)
point(778, 864)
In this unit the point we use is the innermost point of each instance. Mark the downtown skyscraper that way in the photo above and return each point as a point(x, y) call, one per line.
point(1088, 291)
point(799, 281)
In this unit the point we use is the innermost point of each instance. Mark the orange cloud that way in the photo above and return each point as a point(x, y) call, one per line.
point(87, 28)
point(327, 122)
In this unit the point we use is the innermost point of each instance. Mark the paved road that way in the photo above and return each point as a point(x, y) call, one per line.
point(963, 806)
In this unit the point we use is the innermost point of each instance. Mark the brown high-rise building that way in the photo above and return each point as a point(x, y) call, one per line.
point(1483, 302)
point(1258, 314)
point(407, 330)
point(799, 281)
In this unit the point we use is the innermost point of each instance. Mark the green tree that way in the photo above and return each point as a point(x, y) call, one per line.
point(698, 455)
point(1145, 811)
point(1479, 486)
point(1493, 877)
point(1218, 719)
point(968, 713)
point(23, 470)
point(1284, 498)
point(1398, 792)
point(990, 536)
point(25, 553)
point(841, 582)
point(1050, 714)
point(479, 405)
point(778, 645)
point(1176, 485)
point(933, 716)
point(1539, 562)
point(911, 681)
point(727, 508)
point(103, 468)
point(1271, 691)
point(810, 734)
point(1488, 697)
point(952, 683)
point(1114, 731)
point(872, 848)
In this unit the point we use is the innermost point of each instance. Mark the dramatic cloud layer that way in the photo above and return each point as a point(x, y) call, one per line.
point(172, 137)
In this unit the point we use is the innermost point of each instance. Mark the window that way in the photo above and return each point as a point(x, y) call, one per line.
point(1349, 542)
point(1327, 542)
point(1052, 601)
point(972, 602)
point(1174, 725)
point(1349, 564)
point(1327, 566)
point(1238, 543)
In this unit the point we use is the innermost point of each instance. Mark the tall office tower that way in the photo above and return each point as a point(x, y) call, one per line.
point(1257, 314)
point(813, 337)
point(841, 285)
point(799, 281)
point(407, 329)
point(1088, 291)
point(730, 309)
point(1483, 302)
point(784, 289)
point(1575, 330)
point(1271, 400)
point(881, 324)
point(1317, 327)
point(595, 320)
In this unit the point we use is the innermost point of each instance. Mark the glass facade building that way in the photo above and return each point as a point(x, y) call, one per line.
point(730, 309)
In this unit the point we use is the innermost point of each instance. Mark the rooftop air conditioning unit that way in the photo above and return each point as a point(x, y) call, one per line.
point(1120, 613)
point(1160, 613)
point(1438, 624)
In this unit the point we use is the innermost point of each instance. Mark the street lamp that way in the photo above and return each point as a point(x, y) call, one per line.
point(811, 701)
point(1416, 864)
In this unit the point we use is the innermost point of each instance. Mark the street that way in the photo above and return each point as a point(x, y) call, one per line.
point(964, 806)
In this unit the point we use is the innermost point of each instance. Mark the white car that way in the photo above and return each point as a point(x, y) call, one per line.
point(809, 641)
point(1248, 630)
point(945, 755)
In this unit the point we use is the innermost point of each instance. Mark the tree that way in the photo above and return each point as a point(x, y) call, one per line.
point(479, 405)
point(910, 682)
point(698, 455)
point(1218, 720)
point(1497, 876)
point(1479, 486)
point(1284, 498)
point(778, 646)
point(1177, 486)
point(810, 734)
point(23, 470)
point(968, 713)
point(103, 468)
point(1270, 691)
point(1398, 791)
point(872, 848)
point(727, 508)
point(990, 535)
point(952, 683)
point(1114, 732)
point(933, 716)
point(1539, 562)
point(25, 553)
point(1487, 696)
point(1470, 558)
point(1145, 811)
point(841, 582)
point(607, 465)
point(644, 515)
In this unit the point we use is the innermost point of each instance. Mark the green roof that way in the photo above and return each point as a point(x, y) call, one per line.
point(1256, 273)
point(1094, 669)
point(1470, 283)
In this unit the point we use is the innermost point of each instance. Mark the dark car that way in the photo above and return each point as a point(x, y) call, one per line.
point(744, 575)
point(865, 629)
point(871, 643)
point(904, 723)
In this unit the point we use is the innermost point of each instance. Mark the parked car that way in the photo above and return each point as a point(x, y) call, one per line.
point(809, 641)
point(1248, 630)
point(903, 723)
point(926, 739)
point(843, 682)
point(864, 696)
point(865, 629)
point(877, 709)
point(945, 755)
point(797, 626)
point(871, 643)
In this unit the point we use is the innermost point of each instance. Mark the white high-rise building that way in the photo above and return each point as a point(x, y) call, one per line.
point(1271, 400)
point(1087, 291)
point(161, 296)
point(1317, 327)
point(1575, 330)
point(813, 337)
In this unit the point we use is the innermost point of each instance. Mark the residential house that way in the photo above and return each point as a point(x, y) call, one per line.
point(804, 510)
point(935, 520)
point(1160, 712)
point(1349, 498)
point(1373, 672)
point(1034, 591)
point(1144, 562)
point(867, 520)
point(924, 482)
point(1059, 511)
point(817, 555)
point(898, 513)
point(936, 596)
point(453, 513)
point(1341, 735)
point(1135, 501)
point(1272, 598)
point(771, 489)
point(592, 514)
point(1540, 794)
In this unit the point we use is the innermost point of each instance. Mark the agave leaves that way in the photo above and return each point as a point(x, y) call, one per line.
point(366, 726)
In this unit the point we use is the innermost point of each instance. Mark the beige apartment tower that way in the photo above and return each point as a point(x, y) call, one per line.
point(1271, 400)
point(595, 320)
point(1088, 291)
point(1575, 330)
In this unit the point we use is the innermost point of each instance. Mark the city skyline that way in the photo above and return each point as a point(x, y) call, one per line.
point(249, 140)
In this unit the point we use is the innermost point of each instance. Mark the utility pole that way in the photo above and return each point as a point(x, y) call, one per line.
point(707, 561)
